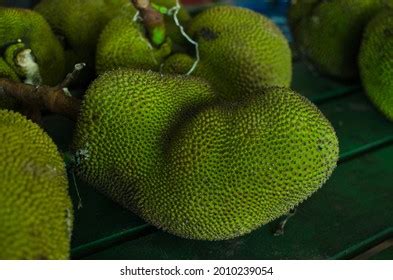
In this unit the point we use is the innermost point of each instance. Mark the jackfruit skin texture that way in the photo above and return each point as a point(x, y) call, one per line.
point(297, 11)
point(241, 51)
point(36, 35)
point(120, 128)
point(36, 211)
point(123, 44)
point(201, 169)
point(330, 36)
point(79, 23)
point(376, 62)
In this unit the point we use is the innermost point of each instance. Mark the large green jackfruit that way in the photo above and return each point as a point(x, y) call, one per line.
point(124, 44)
point(241, 51)
point(166, 148)
point(34, 33)
point(35, 209)
point(330, 35)
point(376, 62)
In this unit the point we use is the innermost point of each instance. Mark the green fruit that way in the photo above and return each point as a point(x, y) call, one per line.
point(376, 62)
point(299, 10)
point(139, 107)
point(34, 33)
point(331, 34)
point(241, 51)
point(36, 211)
point(123, 44)
point(164, 147)
point(79, 23)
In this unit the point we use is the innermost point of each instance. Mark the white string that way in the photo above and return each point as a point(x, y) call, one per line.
point(174, 11)
point(77, 191)
point(136, 17)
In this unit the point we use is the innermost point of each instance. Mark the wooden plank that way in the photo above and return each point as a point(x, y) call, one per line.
point(316, 87)
point(354, 204)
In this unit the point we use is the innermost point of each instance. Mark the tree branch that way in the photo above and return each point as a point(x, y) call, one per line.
point(52, 99)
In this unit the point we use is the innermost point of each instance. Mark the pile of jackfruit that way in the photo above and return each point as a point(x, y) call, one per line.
point(198, 134)
point(348, 39)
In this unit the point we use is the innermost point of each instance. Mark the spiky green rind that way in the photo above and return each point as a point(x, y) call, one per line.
point(36, 35)
point(241, 51)
point(36, 211)
point(123, 44)
point(376, 62)
point(79, 24)
point(331, 34)
point(299, 10)
point(129, 110)
point(172, 30)
point(196, 167)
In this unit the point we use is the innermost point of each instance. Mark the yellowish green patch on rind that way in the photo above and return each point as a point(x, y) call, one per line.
point(36, 211)
point(36, 34)
point(331, 34)
point(199, 168)
point(376, 62)
point(241, 51)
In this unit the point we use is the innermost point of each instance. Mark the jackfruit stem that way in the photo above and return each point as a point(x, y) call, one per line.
point(280, 228)
point(152, 20)
point(45, 97)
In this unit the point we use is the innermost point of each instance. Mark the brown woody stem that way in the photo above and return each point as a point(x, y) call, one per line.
point(43, 97)
point(153, 21)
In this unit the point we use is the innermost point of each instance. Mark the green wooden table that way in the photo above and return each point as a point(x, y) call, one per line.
point(350, 215)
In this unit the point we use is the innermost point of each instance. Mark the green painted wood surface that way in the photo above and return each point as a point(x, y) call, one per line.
point(352, 206)
point(331, 224)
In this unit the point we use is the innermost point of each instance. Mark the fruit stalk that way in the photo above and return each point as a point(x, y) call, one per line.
point(153, 21)
point(53, 99)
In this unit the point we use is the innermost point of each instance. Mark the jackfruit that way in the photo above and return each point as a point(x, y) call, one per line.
point(36, 211)
point(21, 30)
point(78, 25)
point(172, 30)
point(376, 62)
point(195, 166)
point(240, 50)
point(299, 10)
point(330, 35)
point(123, 42)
